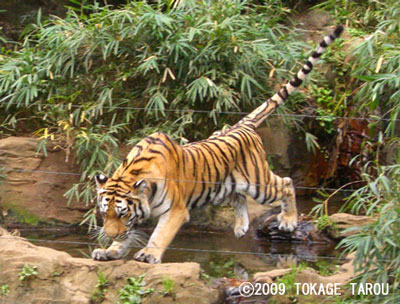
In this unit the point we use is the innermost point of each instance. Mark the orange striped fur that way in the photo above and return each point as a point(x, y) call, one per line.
point(162, 179)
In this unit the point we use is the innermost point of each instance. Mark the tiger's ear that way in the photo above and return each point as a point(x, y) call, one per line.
point(100, 179)
point(140, 185)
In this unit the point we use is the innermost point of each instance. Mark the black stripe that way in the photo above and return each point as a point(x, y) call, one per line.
point(231, 148)
point(158, 141)
point(338, 30)
point(208, 195)
point(305, 71)
point(323, 44)
point(153, 191)
point(190, 196)
point(332, 37)
point(207, 163)
point(281, 96)
point(149, 140)
point(220, 150)
point(233, 182)
point(166, 210)
point(285, 92)
point(157, 152)
point(272, 101)
point(296, 81)
point(183, 159)
point(316, 54)
point(135, 172)
point(215, 160)
point(161, 200)
point(217, 190)
point(140, 159)
point(173, 144)
point(274, 189)
point(309, 64)
point(203, 186)
point(193, 161)
point(141, 209)
point(241, 150)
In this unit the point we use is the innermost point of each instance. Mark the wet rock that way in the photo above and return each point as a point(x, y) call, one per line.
point(74, 280)
point(306, 232)
point(34, 197)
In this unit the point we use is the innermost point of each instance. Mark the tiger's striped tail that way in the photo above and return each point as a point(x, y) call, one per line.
point(255, 118)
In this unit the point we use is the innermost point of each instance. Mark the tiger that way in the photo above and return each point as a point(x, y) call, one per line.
point(160, 178)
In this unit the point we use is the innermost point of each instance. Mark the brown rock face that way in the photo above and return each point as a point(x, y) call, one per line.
point(36, 196)
point(63, 279)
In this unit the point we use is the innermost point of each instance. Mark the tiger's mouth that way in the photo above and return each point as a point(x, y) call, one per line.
point(132, 235)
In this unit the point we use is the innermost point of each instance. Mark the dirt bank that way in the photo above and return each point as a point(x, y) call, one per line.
point(63, 279)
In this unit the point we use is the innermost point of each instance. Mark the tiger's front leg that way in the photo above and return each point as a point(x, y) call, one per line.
point(167, 227)
point(117, 250)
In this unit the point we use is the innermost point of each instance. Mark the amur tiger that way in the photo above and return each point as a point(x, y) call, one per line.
point(162, 179)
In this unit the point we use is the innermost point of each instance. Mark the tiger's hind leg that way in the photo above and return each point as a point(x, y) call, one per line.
point(288, 216)
point(278, 188)
point(239, 204)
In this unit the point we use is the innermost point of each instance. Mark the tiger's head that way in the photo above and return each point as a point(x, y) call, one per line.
point(122, 205)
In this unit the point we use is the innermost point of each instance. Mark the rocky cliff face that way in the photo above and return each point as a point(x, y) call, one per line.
point(36, 196)
point(63, 279)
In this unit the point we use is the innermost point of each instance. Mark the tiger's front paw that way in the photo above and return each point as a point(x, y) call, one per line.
point(287, 222)
point(101, 254)
point(240, 230)
point(149, 255)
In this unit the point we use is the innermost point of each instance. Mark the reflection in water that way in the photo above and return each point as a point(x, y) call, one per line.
point(212, 250)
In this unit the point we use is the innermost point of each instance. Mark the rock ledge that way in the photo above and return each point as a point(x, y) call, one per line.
point(64, 279)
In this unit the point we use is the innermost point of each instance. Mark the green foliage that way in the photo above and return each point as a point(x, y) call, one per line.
point(288, 279)
point(375, 64)
point(4, 290)
point(101, 289)
point(325, 268)
point(378, 66)
point(169, 286)
point(222, 268)
point(133, 292)
point(326, 116)
point(27, 272)
point(85, 80)
point(324, 222)
point(358, 13)
point(311, 142)
point(377, 245)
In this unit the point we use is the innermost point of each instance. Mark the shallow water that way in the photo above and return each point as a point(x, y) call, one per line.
point(218, 253)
